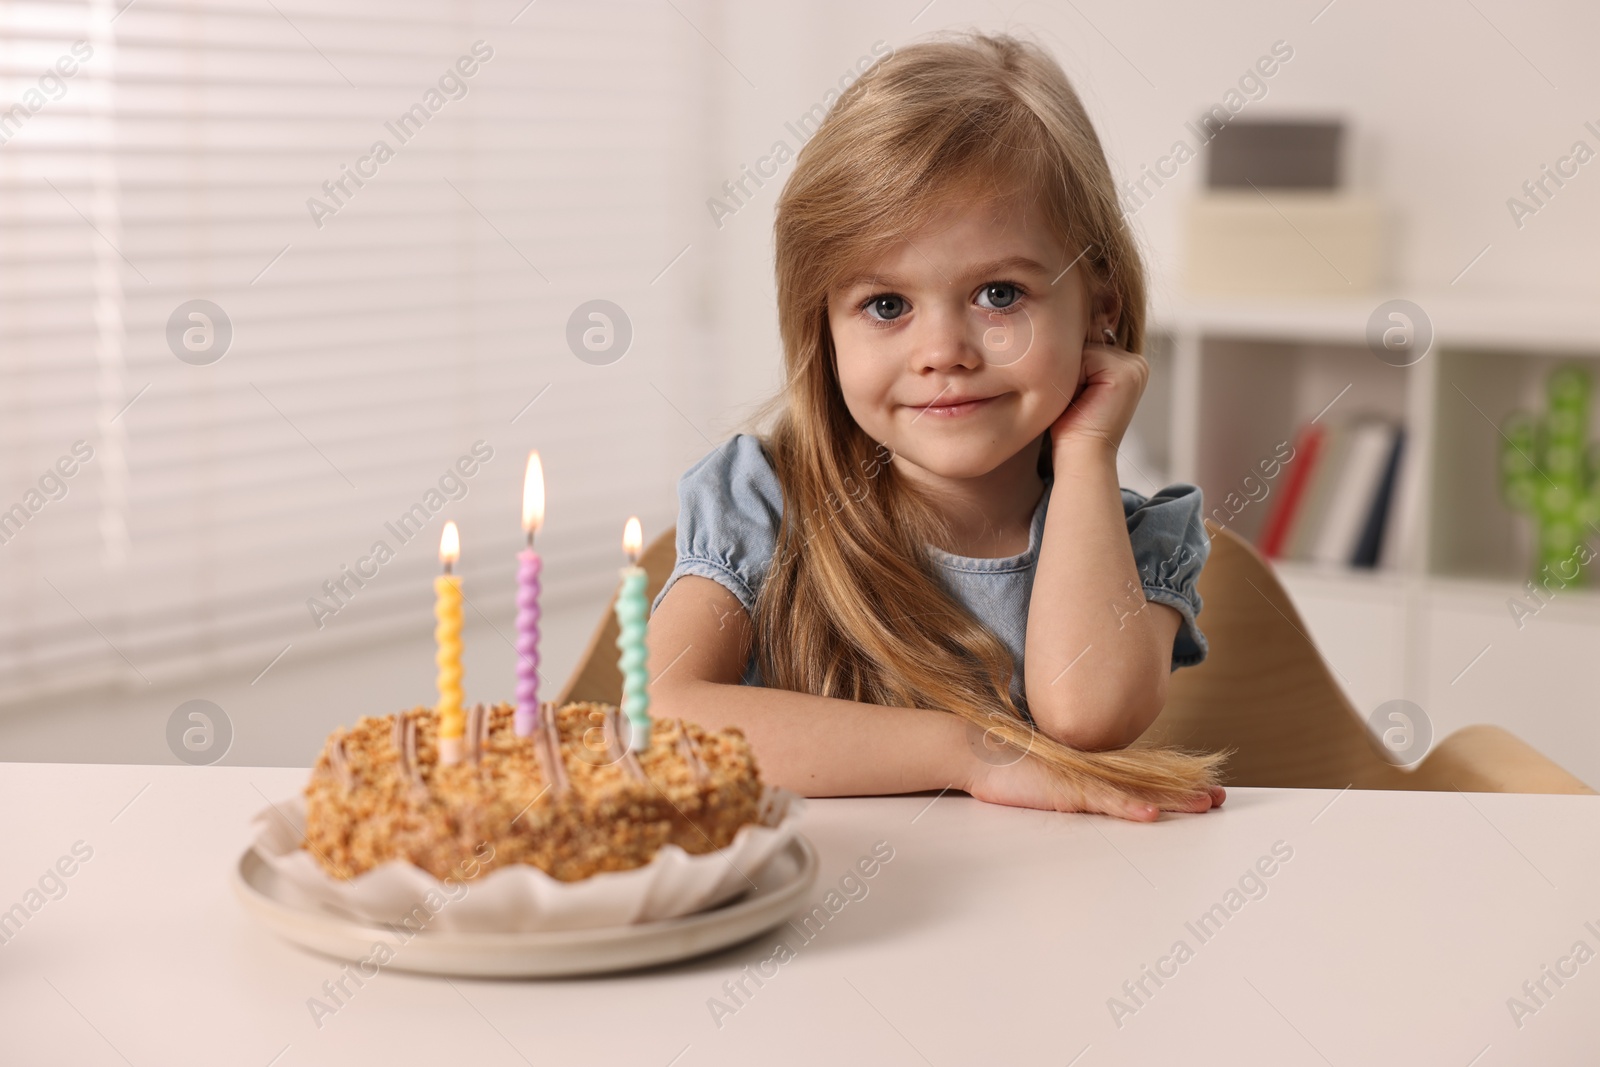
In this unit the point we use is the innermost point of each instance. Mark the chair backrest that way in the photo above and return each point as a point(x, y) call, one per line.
point(1263, 689)
point(1265, 692)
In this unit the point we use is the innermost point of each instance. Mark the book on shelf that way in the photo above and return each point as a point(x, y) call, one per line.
point(1353, 496)
point(1338, 507)
point(1307, 445)
point(1399, 534)
point(1370, 547)
point(1307, 518)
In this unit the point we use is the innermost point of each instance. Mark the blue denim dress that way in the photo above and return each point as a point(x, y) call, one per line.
point(729, 507)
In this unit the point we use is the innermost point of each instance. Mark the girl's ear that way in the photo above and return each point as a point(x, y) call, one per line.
point(1105, 312)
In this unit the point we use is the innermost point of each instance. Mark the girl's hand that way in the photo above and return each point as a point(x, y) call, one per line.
point(1028, 783)
point(1110, 383)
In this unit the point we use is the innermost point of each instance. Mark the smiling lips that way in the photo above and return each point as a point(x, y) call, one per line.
point(948, 407)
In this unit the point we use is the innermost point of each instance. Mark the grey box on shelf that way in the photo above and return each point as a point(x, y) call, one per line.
point(1275, 155)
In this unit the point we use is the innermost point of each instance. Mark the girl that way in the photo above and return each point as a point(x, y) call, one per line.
point(926, 575)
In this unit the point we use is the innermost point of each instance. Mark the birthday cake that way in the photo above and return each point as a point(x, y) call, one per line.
point(570, 799)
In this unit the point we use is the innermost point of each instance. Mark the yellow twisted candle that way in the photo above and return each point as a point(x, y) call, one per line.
point(447, 634)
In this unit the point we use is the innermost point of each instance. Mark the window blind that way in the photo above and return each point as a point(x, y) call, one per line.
point(391, 212)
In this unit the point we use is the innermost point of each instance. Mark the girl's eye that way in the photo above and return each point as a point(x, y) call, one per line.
point(1000, 295)
point(885, 307)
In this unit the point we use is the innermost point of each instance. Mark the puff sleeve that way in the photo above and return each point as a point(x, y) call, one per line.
point(729, 510)
point(1170, 546)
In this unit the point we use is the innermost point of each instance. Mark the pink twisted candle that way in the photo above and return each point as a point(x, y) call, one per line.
point(528, 567)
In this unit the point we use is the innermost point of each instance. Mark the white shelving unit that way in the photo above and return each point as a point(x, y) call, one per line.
point(1232, 379)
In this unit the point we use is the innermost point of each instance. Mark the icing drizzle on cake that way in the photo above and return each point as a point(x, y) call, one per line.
point(547, 746)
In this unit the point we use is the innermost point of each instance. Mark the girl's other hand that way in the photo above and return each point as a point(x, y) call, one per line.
point(1111, 381)
point(1028, 783)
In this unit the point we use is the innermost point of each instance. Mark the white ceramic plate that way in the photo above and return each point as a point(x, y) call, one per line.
point(779, 889)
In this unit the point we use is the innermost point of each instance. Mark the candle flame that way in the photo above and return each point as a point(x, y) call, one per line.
point(533, 495)
point(632, 539)
point(450, 544)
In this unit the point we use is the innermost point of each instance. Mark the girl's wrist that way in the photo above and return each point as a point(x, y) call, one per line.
point(977, 757)
point(1075, 451)
point(961, 765)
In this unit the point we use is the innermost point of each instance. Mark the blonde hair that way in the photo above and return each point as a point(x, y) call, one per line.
point(850, 606)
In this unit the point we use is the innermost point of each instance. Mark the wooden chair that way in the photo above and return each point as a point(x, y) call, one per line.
point(1263, 691)
point(1266, 692)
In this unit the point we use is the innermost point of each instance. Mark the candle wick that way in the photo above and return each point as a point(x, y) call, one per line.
point(530, 537)
point(447, 566)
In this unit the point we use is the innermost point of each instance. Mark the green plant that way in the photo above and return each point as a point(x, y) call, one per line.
point(1549, 472)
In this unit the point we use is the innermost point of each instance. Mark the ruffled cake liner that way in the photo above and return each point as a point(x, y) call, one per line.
point(520, 897)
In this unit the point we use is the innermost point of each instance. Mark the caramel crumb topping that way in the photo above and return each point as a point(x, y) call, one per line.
point(692, 788)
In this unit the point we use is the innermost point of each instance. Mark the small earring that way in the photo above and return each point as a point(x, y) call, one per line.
point(1109, 334)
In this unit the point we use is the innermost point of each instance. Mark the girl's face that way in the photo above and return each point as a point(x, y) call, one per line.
point(964, 342)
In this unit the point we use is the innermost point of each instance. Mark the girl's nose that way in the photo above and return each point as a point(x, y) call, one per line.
point(949, 338)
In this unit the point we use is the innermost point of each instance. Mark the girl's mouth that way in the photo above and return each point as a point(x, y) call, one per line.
point(944, 409)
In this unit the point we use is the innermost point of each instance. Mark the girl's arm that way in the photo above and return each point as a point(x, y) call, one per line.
point(699, 643)
point(1098, 653)
point(817, 746)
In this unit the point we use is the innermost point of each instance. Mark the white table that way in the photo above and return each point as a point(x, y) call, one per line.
point(1395, 934)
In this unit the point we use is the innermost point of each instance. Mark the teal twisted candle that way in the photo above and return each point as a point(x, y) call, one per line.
point(632, 608)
